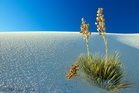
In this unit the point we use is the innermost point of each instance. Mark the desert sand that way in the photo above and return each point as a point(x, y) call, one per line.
point(37, 62)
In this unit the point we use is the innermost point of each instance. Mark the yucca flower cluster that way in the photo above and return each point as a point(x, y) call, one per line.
point(73, 70)
point(84, 29)
point(86, 33)
point(100, 24)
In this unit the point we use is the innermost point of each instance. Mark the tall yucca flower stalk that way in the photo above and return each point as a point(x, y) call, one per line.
point(86, 33)
point(102, 29)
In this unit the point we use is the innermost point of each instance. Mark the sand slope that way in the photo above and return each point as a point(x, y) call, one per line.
point(37, 62)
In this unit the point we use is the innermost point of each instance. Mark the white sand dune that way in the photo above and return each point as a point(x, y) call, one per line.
point(37, 62)
point(131, 40)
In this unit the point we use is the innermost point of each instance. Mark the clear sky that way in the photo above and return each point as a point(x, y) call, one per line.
point(122, 16)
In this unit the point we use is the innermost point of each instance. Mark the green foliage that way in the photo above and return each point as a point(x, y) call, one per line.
point(107, 75)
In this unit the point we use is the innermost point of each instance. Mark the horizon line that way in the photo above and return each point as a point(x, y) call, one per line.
point(65, 32)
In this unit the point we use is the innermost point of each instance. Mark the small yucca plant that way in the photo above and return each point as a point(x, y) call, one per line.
point(108, 76)
point(106, 73)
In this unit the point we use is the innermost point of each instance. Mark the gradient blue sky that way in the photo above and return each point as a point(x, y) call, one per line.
point(122, 16)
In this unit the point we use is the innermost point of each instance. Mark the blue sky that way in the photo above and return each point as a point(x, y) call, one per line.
point(122, 16)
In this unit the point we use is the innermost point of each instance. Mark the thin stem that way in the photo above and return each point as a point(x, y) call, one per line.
point(106, 45)
point(88, 49)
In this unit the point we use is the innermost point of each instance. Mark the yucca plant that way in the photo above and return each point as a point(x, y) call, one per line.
point(105, 72)
point(108, 76)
